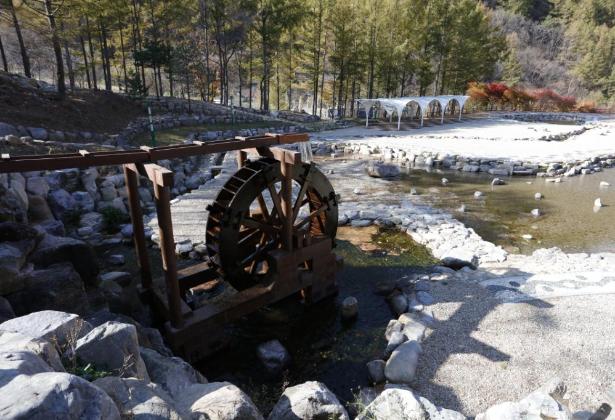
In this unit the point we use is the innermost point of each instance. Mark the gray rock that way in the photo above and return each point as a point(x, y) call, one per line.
point(108, 191)
point(8, 130)
point(38, 209)
point(122, 278)
point(88, 180)
point(113, 346)
point(117, 259)
point(439, 413)
point(381, 170)
point(478, 194)
point(401, 366)
point(307, 401)
point(536, 212)
point(11, 261)
point(394, 403)
point(54, 249)
point(62, 203)
point(413, 330)
point(459, 261)
point(398, 303)
point(37, 185)
point(58, 287)
point(538, 196)
point(6, 311)
point(12, 342)
point(52, 227)
point(138, 399)
point(425, 297)
point(392, 327)
point(84, 201)
point(19, 362)
point(273, 355)
point(172, 373)
point(217, 401)
point(127, 231)
point(375, 370)
point(395, 340)
point(38, 133)
point(53, 395)
point(57, 327)
point(498, 181)
point(350, 308)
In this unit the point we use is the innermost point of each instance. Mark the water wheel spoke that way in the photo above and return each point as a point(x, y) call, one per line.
point(254, 262)
point(313, 214)
point(257, 224)
point(263, 206)
point(275, 197)
point(299, 201)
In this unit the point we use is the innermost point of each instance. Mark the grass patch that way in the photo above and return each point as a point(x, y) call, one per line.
point(179, 134)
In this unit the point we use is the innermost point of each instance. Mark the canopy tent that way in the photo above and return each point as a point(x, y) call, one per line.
point(423, 102)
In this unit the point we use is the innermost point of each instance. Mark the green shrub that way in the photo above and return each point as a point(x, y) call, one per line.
point(113, 218)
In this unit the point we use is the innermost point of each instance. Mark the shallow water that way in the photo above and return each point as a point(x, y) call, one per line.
point(568, 221)
point(322, 347)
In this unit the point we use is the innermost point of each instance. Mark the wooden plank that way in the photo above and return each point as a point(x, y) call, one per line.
point(143, 155)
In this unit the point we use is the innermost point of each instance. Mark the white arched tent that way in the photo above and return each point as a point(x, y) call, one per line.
point(398, 105)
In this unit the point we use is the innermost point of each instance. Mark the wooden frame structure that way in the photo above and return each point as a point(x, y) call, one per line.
point(195, 333)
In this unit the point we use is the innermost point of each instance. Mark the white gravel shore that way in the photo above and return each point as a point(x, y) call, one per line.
point(491, 139)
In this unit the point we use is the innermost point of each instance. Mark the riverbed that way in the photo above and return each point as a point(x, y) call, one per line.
point(503, 216)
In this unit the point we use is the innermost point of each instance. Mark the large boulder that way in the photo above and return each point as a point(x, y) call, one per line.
point(139, 399)
point(11, 205)
point(217, 401)
point(38, 209)
point(547, 402)
point(58, 287)
point(310, 400)
point(37, 185)
point(83, 201)
point(54, 249)
point(439, 413)
point(10, 342)
point(60, 328)
point(8, 130)
point(394, 403)
point(172, 373)
point(38, 133)
point(19, 362)
point(113, 346)
point(62, 203)
point(382, 170)
point(54, 395)
point(401, 366)
point(19, 235)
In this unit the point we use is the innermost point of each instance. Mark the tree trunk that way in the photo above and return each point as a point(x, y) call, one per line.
point(251, 72)
point(57, 49)
point(123, 56)
point(240, 79)
point(290, 74)
point(69, 61)
point(5, 65)
point(104, 56)
point(322, 79)
point(265, 79)
point(92, 58)
point(85, 62)
point(137, 35)
point(22, 47)
point(316, 60)
point(277, 83)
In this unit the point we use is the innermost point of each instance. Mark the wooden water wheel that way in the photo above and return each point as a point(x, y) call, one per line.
point(246, 220)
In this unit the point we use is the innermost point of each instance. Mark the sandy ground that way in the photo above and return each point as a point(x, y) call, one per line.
point(491, 139)
point(485, 351)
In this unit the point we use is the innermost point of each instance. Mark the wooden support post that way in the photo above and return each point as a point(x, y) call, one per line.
point(287, 203)
point(242, 156)
point(132, 185)
point(162, 192)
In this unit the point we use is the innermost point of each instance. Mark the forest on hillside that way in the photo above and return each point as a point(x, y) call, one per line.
point(311, 55)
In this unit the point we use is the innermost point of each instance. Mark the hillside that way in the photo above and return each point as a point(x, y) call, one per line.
point(32, 104)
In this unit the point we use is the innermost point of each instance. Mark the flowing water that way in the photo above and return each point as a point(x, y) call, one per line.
point(503, 216)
